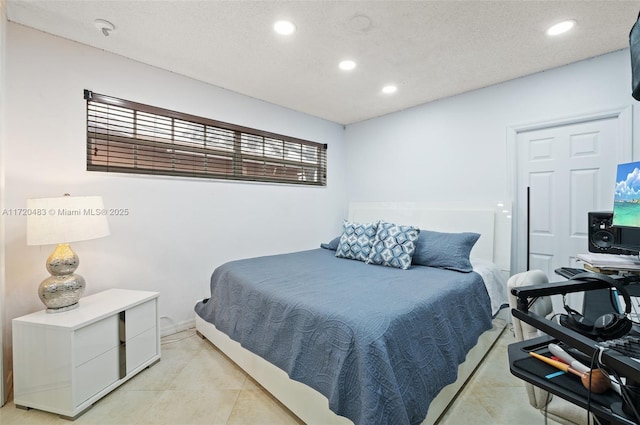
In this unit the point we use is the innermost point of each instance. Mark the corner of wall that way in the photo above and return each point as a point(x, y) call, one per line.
point(5, 383)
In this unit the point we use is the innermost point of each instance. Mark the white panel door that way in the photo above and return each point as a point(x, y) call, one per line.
point(570, 170)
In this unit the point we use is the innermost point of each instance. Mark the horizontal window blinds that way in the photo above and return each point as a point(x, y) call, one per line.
point(129, 137)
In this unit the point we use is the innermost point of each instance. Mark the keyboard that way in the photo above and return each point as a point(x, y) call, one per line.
point(568, 272)
point(629, 345)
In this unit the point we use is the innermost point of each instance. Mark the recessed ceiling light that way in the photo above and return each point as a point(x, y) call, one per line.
point(561, 27)
point(284, 27)
point(347, 65)
point(389, 89)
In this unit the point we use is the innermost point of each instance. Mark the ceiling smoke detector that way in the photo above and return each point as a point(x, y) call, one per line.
point(105, 26)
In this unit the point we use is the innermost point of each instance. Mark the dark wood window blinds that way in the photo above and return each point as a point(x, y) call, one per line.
point(129, 137)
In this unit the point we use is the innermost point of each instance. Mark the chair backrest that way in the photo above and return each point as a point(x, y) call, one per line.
point(523, 331)
point(556, 408)
point(542, 306)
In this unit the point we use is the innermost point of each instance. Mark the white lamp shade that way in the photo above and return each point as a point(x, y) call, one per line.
point(65, 219)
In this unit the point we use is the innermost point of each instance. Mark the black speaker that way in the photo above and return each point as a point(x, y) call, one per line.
point(602, 235)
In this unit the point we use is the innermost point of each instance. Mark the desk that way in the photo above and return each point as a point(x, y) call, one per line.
point(607, 407)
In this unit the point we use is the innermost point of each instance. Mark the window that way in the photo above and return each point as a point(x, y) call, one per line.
point(129, 137)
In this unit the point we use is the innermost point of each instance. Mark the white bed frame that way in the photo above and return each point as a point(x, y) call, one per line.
point(488, 219)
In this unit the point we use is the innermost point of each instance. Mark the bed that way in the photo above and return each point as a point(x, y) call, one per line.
point(340, 341)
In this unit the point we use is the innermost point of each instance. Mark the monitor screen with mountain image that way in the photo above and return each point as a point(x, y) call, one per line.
point(626, 206)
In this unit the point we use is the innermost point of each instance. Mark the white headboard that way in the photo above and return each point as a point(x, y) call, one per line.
point(492, 220)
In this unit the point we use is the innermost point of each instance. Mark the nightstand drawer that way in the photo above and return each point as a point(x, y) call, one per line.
point(141, 348)
point(95, 339)
point(140, 318)
point(95, 375)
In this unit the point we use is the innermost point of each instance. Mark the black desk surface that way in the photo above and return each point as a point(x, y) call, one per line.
point(606, 406)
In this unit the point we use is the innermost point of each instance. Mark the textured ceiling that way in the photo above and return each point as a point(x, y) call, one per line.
point(429, 49)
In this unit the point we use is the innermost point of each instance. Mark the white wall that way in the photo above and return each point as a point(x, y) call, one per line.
point(456, 148)
point(178, 229)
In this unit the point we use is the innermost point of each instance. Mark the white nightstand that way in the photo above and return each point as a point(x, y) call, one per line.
point(65, 362)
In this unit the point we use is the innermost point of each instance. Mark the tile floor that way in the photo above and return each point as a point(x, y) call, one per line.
point(196, 384)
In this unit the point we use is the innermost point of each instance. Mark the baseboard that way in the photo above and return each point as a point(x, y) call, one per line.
point(174, 328)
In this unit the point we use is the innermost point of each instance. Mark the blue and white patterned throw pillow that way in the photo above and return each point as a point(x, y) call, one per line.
point(356, 240)
point(394, 245)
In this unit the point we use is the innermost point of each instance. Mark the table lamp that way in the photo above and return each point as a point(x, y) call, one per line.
point(60, 221)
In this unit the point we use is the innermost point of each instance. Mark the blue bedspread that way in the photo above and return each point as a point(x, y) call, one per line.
point(378, 342)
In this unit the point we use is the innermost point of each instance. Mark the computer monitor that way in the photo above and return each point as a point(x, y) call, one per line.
point(626, 206)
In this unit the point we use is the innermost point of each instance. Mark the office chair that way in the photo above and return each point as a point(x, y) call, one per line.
point(556, 408)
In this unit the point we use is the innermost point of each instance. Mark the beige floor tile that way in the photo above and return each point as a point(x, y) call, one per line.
point(467, 410)
point(250, 384)
point(120, 407)
point(209, 369)
point(191, 407)
point(509, 405)
point(494, 372)
point(257, 407)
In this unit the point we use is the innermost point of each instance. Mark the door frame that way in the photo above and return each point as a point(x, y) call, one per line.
point(624, 117)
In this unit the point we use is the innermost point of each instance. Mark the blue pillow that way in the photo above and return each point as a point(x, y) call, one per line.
point(445, 250)
point(394, 245)
point(356, 240)
point(333, 245)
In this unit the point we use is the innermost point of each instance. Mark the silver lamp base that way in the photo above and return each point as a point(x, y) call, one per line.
point(62, 290)
point(61, 293)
